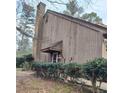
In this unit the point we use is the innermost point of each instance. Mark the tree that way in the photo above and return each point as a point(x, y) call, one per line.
point(92, 17)
point(95, 70)
point(25, 26)
point(72, 8)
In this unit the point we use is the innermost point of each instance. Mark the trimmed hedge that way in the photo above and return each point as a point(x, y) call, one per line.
point(48, 70)
point(57, 70)
point(94, 70)
point(72, 70)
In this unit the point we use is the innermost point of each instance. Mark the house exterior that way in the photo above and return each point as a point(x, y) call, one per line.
point(62, 38)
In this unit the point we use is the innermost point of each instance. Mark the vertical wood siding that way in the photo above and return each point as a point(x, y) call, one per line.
point(79, 43)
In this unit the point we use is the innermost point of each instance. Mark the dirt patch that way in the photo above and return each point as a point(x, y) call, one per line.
point(27, 83)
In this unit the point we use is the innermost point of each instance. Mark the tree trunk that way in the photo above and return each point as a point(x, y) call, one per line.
point(94, 86)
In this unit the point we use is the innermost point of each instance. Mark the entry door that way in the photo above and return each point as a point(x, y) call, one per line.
point(55, 57)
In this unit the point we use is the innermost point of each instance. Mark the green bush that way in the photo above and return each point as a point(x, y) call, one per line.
point(20, 61)
point(28, 57)
point(72, 70)
point(57, 70)
point(27, 66)
point(47, 70)
point(95, 70)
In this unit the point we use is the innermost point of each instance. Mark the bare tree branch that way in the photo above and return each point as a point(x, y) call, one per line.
point(24, 33)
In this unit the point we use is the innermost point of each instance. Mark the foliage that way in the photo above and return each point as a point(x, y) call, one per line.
point(57, 70)
point(28, 58)
point(72, 70)
point(72, 8)
point(26, 66)
point(47, 70)
point(19, 61)
point(22, 61)
point(25, 22)
point(95, 70)
point(92, 17)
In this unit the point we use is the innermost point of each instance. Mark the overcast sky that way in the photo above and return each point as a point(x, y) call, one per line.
point(98, 6)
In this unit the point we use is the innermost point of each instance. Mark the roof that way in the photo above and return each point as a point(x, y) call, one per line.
point(57, 46)
point(77, 20)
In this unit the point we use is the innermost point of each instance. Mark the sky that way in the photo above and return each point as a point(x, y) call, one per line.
point(98, 6)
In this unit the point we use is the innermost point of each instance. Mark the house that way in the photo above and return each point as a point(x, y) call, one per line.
point(62, 38)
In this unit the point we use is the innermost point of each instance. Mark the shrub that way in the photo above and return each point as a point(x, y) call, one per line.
point(20, 61)
point(95, 70)
point(47, 70)
point(57, 70)
point(72, 70)
point(54, 70)
point(26, 66)
point(28, 57)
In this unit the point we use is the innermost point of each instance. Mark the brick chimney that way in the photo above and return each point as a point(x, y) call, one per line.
point(38, 29)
